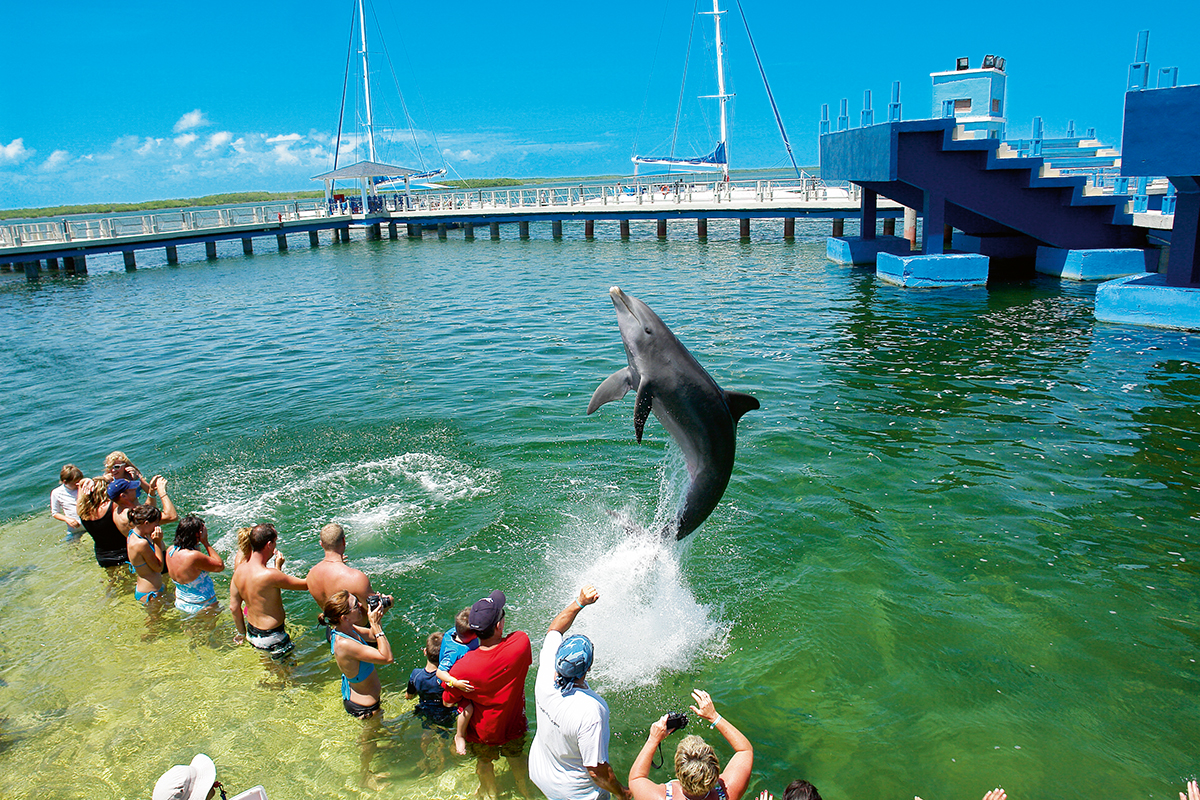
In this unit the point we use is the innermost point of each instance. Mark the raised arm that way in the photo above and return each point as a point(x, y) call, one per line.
point(737, 770)
point(587, 595)
point(159, 486)
point(640, 785)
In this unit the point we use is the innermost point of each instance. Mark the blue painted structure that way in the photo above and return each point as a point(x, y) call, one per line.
point(966, 184)
point(973, 97)
point(1161, 138)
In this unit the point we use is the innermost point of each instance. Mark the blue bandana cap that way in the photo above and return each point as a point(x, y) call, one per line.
point(573, 659)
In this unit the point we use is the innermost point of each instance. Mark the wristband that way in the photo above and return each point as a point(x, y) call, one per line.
point(715, 721)
point(578, 603)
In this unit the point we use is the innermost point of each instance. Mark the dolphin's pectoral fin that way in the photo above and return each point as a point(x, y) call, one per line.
point(739, 403)
point(641, 409)
point(611, 388)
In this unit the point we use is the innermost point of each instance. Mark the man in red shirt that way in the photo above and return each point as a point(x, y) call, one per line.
point(497, 670)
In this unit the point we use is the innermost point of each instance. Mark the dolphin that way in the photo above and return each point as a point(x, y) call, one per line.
point(700, 416)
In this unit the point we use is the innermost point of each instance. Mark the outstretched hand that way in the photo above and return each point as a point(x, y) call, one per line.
point(1193, 791)
point(704, 705)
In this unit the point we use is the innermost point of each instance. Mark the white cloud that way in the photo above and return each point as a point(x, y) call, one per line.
point(287, 137)
point(216, 140)
point(192, 119)
point(54, 161)
point(14, 152)
point(184, 139)
point(468, 155)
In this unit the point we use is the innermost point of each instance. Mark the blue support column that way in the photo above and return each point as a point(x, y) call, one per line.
point(1183, 268)
point(933, 224)
point(894, 106)
point(870, 203)
point(868, 112)
point(843, 121)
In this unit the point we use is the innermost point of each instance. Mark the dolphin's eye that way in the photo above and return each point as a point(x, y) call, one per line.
point(648, 331)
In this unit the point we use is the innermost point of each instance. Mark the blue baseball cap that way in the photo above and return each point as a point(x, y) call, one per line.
point(120, 486)
point(574, 657)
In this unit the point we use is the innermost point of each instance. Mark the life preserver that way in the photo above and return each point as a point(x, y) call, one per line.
point(663, 189)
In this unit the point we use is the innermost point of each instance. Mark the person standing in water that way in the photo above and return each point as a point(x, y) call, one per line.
point(256, 583)
point(332, 573)
point(64, 500)
point(358, 648)
point(191, 560)
point(146, 552)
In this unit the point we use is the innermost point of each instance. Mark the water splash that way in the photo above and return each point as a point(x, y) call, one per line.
point(648, 622)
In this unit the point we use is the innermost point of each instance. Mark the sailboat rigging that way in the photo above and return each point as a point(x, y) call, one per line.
point(718, 159)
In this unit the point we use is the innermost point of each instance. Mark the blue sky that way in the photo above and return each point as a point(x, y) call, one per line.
point(130, 101)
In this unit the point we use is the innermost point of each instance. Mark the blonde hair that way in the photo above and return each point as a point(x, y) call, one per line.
point(331, 535)
point(115, 457)
point(87, 502)
point(243, 545)
point(696, 766)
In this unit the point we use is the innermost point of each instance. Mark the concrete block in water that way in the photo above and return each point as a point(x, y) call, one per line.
point(1148, 300)
point(1094, 265)
point(942, 269)
point(856, 250)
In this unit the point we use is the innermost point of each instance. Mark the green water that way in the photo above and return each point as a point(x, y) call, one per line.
point(958, 548)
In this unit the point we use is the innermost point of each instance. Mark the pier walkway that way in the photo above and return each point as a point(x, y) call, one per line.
point(25, 245)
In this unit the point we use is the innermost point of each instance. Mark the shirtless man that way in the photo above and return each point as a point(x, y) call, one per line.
point(332, 573)
point(258, 585)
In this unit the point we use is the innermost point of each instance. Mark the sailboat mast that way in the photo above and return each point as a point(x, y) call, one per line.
point(362, 29)
point(721, 96)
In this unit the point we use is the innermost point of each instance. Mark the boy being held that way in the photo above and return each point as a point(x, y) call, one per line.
point(455, 647)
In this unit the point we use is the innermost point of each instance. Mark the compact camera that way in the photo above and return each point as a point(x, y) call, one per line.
point(676, 720)
point(374, 600)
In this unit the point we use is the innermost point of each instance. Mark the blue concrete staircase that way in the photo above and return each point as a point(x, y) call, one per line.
point(986, 193)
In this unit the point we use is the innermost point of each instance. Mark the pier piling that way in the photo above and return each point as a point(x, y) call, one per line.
point(556, 228)
point(172, 254)
point(589, 229)
point(839, 226)
point(32, 270)
point(248, 246)
point(469, 231)
point(392, 233)
point(130, 260)
point(523, 228)
point(889, 226)
point(744, 227)
point(441, 230)
point(413, 231)
point(662, 229)
point(910, 227)
point(624, 229)
point(702, 228)
point(210, 249)
point(494, 230)
point(281, 241)
point(789, 227)
point(313, 239)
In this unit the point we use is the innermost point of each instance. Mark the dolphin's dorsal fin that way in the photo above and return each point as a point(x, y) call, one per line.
point(641, 409)
point(612, 388)
point(739, 403)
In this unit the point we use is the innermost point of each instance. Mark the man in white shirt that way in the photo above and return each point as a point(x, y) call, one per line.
point(569, 756)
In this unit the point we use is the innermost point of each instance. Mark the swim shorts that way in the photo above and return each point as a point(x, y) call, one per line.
point(490, 752)
point(275, 641)
point(362, 712)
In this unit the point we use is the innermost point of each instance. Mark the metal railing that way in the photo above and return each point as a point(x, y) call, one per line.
point(641, 192)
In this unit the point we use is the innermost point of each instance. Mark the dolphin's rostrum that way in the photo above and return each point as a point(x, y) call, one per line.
point(700, 416)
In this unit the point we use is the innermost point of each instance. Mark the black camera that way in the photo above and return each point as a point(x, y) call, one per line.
point(676, 720)
point(374, 600)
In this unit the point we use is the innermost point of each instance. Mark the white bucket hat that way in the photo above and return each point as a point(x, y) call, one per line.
point(187, 781)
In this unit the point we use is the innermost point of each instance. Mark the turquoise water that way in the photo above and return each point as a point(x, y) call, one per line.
point(958, 548)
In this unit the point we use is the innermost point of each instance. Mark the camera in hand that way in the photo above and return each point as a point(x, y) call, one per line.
point(676, 720)
point(375, 600)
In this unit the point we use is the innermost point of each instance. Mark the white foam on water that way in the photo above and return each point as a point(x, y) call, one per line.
point(648, 621)
point(368, 497)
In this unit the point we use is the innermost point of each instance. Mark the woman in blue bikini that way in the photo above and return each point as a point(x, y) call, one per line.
point(348, 641)
point(146, 552)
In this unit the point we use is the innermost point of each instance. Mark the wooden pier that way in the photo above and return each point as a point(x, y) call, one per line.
point(26, 246)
